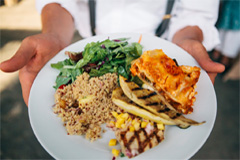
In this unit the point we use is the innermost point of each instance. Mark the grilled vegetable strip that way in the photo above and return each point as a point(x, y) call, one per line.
point(149, 98)
point(125, 103)
point(154, 103)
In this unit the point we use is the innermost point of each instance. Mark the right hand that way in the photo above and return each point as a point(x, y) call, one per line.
point(34, 52)
point(190, 39)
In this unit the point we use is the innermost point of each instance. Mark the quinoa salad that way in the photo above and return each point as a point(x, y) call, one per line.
point(86, 104)
point(86, 81)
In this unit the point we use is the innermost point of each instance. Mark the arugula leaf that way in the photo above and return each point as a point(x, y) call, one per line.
point(99, 55)
point(93, 52)
point(67, 74)
point(61, 64)
point(61, 80)
point(122, 71)
point(137, 51)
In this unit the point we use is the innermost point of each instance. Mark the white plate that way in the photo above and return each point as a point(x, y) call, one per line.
point(178, 143)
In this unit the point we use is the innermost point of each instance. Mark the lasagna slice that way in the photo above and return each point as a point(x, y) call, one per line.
point(176, 83)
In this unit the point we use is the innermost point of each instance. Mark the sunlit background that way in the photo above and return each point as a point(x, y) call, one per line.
point(19, 19)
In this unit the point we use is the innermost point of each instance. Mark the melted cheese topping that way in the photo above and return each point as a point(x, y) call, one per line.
point(176, 83)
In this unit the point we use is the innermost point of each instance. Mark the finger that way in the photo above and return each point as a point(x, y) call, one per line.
point(211, 66)
point(21, 57)
point(202, 57)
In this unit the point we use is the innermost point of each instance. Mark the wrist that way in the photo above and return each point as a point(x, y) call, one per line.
point(58, 23)
point(57, 38)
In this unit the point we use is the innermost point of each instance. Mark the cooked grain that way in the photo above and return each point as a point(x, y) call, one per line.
point(86, 104)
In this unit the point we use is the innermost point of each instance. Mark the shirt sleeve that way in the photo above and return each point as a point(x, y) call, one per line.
point(201, 13)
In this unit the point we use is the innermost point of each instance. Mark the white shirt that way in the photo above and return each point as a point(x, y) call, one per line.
point(143, 16)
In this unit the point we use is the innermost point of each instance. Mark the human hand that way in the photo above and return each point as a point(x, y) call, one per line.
point(190, 39)
point(35, 51)
point(198, 51)
point(32, 55)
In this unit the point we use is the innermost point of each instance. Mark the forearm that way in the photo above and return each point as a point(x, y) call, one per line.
point(189, 32)
point(59, 22)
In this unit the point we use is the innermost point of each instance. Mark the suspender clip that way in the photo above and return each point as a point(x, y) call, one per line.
point(167, 16)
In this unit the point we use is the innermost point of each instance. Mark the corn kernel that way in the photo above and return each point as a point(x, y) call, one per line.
point(112, 142)
point(143, 124)
point(160, 126)
point(134, 121)
point(118, 125)
point(129, 119)
point(136, 126)
point(112, 122)
point(120, 115)
point(115, 152)
point(123, 125)
point(125, 116)
point(115, 114)
point(131, 129)
point(120, 121)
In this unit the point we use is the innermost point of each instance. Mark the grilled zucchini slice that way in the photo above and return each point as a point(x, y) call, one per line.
point(154, 103)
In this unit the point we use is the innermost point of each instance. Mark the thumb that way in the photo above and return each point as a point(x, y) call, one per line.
point(21, 57)
point(210, 66)
point(201, 56)
point(26, 80)
point(212, 76)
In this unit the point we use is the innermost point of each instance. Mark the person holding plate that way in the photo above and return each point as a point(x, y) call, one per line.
point(191, 27)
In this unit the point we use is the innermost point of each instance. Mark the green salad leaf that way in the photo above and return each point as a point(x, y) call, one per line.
point(99, 58)
point(67, 74)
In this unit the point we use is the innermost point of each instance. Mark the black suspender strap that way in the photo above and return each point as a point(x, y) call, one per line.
point(92, 9)
point(160, 30)
point(165, 22)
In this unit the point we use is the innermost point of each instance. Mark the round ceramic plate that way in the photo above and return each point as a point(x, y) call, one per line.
point(178, 143)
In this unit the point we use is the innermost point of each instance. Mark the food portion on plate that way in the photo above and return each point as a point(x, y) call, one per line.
point(176, 83)
point(135, 134)
point(148, 104)
point(111, 82)
point(86, 104)
point(136, 130)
